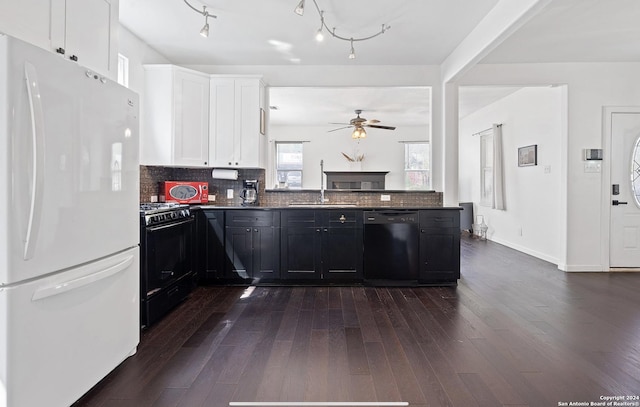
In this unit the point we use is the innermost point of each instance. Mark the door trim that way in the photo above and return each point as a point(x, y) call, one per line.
point(605, 226)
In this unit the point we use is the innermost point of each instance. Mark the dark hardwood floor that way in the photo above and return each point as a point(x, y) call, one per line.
point(515, 331)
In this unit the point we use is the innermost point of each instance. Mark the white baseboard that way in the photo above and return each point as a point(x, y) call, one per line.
point(526, 250)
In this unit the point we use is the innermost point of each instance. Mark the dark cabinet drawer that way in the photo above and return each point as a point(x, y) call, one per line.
point(341, 218)
point(439, 219)
point(252, 218)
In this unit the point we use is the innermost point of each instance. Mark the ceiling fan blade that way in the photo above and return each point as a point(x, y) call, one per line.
point(339, 128)
point(372, 121)
point(344, 124)
point(376, 126)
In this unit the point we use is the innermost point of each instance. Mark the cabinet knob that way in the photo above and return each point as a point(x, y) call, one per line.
point(229, 162)
point(255, 230)
point(317, 230)
point(73, 58)
point(326, 230)
point(248, 229)
point(236, 163)
point(60, 50)
point(342, 218)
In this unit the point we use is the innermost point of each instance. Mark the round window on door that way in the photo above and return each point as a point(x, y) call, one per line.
point(635, 172)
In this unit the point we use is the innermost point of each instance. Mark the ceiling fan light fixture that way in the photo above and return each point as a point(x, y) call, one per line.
point(358, 133)
point(299, 10)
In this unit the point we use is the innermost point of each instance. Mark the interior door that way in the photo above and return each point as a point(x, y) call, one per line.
point(624, 248)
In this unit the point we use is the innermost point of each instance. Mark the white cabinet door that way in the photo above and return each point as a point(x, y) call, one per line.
point(84, 29)
point(89, 28)
point(235, 139)
point(191, 112)
point(248, 122)
point(222, 123)
point(175, 125)
point(28, 20)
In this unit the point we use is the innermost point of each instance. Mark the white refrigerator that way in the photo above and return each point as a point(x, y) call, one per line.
point(69, 227)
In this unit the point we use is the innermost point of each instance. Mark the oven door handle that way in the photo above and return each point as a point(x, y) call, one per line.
point(168, 225)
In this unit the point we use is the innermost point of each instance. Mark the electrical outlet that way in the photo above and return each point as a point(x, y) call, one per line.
point(154, 198)
point(229, 193)
point(212, 198)
point(385, 198)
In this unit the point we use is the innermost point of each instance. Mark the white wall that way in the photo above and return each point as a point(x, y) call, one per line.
point(531, 221)
point(382, 149)
point(591, 86)
point(139, 53)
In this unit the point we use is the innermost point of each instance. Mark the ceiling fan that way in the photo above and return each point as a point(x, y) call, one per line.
point(359, 123)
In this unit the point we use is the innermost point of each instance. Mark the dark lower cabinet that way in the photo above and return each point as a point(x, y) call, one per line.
point(321, 245)
point(439, 246)
point(210, 245)
point(252, 245)
point(314, 245)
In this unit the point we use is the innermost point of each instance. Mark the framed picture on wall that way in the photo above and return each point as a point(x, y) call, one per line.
point(528, 156)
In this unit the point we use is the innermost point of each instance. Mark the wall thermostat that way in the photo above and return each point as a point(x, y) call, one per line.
point(592, 154)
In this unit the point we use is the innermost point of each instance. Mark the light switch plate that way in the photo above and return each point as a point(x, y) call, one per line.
point(229, 193)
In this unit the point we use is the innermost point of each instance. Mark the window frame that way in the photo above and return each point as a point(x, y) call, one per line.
point(278, 169)
point(426, 170)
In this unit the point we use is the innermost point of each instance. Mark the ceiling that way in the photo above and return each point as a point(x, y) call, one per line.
point(423, 32)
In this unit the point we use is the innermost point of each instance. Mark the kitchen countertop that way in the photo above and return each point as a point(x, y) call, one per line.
point(328, 206)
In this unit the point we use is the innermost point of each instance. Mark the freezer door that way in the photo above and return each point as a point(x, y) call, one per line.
point(63, 334)
point(72, 179)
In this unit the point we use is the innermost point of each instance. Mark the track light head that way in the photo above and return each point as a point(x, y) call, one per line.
point(352, 54)
point(205, 30)
point(299, 10)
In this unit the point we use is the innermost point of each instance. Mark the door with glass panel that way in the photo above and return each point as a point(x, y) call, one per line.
point(624, 191)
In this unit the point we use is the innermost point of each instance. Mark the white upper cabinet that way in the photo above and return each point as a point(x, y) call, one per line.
point(235, 122)
point(175, 126)
point(85, 30)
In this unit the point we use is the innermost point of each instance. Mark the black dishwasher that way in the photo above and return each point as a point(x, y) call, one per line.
point(391, 247)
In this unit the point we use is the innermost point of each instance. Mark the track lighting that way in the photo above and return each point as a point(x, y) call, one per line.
point(205, 29)
point(319, 35)
point(352, 54)
point(299, 10)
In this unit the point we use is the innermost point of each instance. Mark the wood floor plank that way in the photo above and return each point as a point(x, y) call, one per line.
point(514, 332)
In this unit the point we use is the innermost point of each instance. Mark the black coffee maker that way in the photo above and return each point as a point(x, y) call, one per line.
point(249, 192)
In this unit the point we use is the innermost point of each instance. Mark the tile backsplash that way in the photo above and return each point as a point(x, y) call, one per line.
point(150, 176)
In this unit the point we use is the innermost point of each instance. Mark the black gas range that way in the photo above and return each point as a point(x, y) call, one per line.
point(166, 258)
point(158, 213)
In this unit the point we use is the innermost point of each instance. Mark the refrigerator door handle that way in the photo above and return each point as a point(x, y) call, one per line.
point(93, 273)
point(38, 136)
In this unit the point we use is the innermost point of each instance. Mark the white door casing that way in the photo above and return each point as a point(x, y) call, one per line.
point(622, 132)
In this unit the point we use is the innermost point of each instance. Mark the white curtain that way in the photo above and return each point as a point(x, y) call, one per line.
point(498, 169)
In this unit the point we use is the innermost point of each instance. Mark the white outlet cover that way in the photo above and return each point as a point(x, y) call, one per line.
point(229, 193)
point(593, 166)
point(385, 197)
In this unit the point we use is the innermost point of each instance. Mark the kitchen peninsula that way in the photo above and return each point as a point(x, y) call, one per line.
point(328, 244)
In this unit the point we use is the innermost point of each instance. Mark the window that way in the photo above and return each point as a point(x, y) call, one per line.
point(416, 166)
point(486, 170)
point(123, 70)
point(289, 165)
